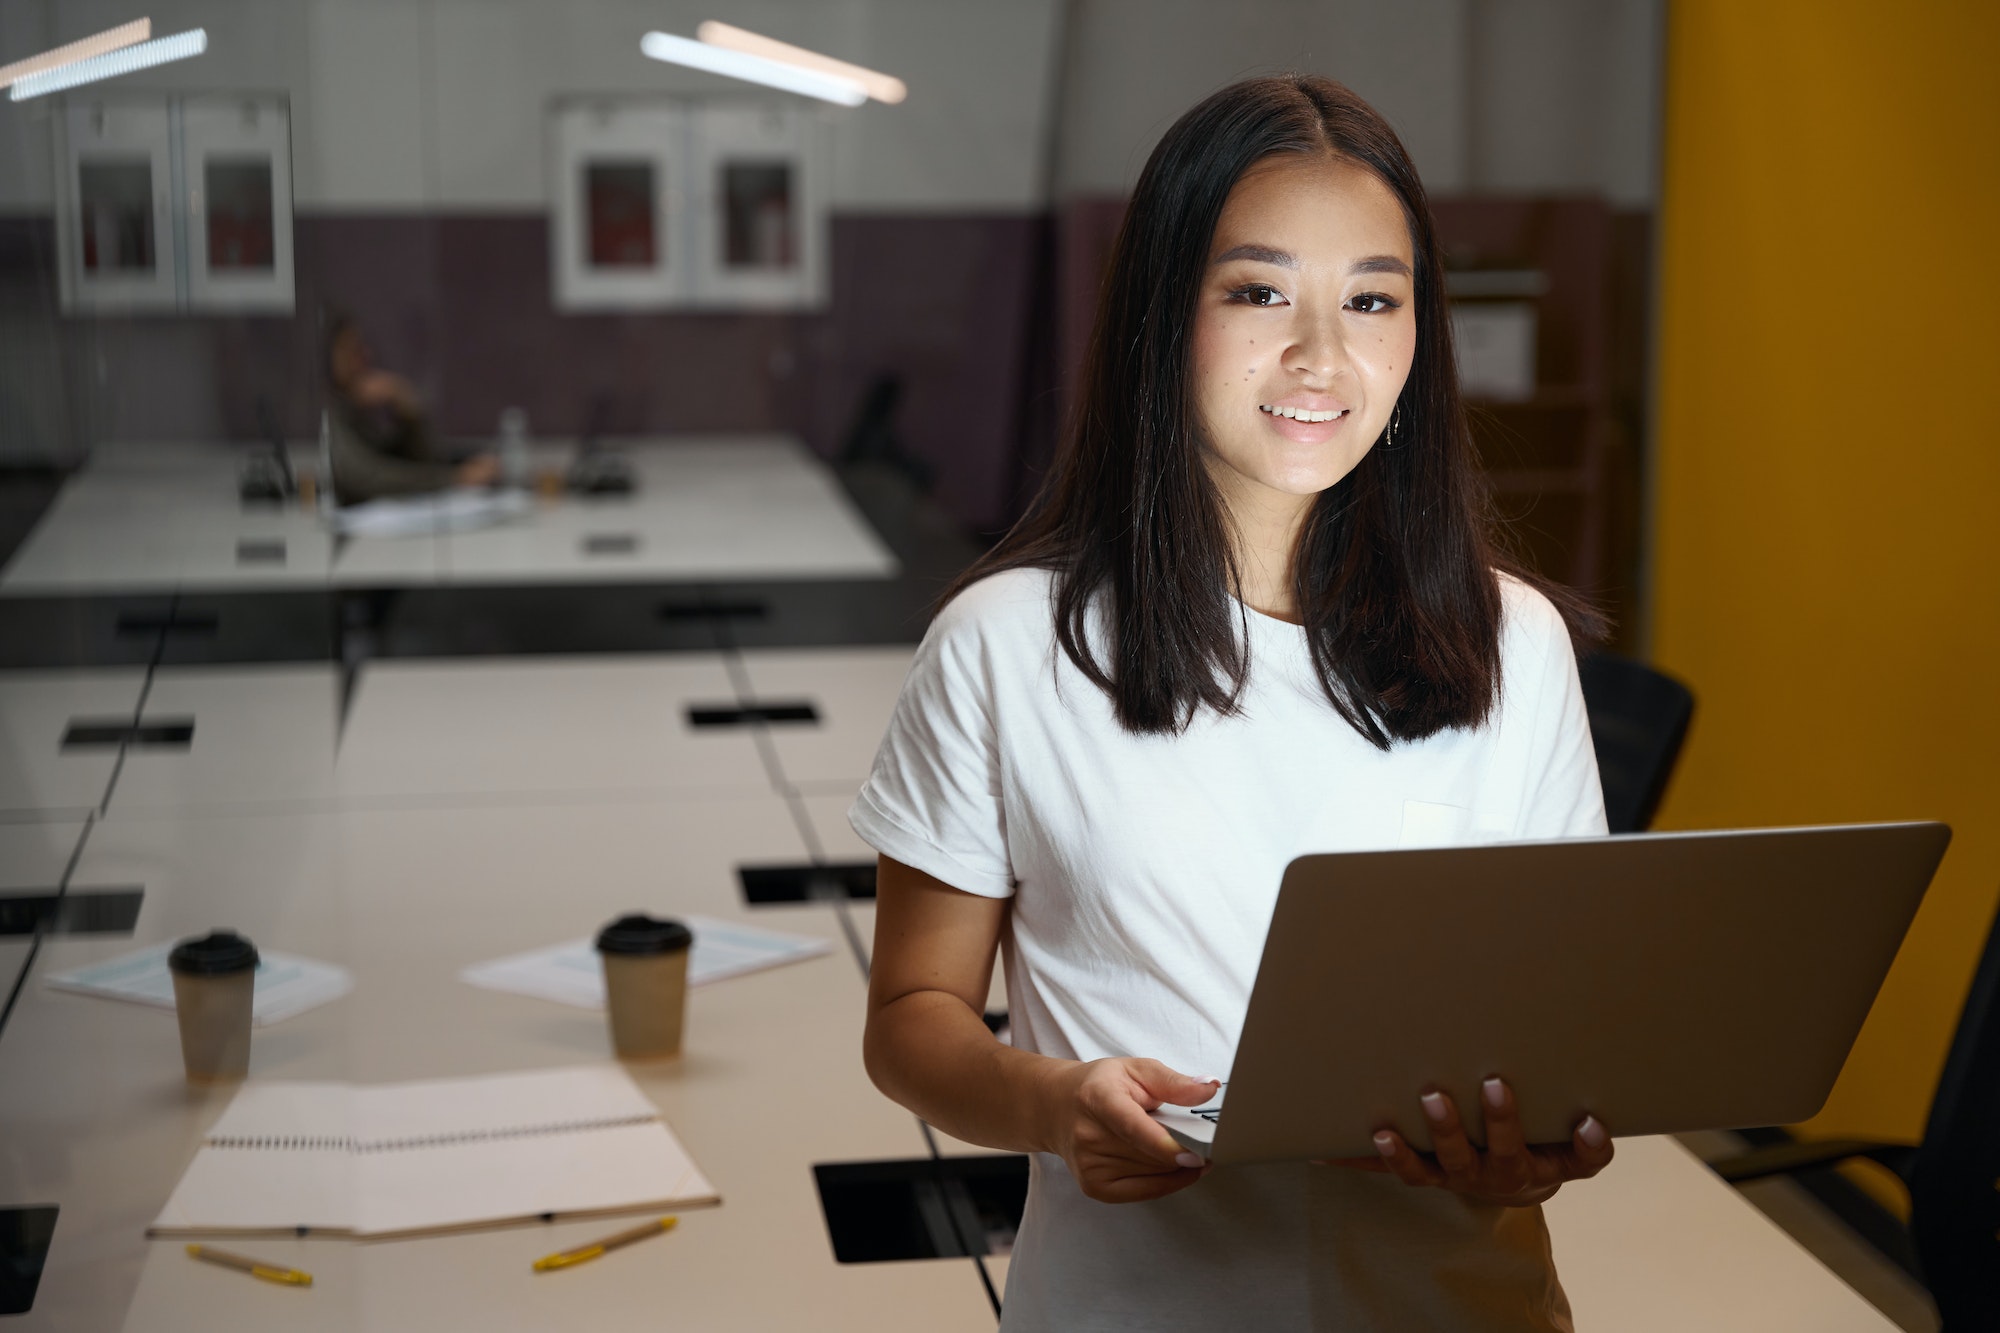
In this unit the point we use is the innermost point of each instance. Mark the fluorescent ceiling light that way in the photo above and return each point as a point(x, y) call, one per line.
point(881, 87)
point(125, 34)
point(143, 56)
point(756, 69)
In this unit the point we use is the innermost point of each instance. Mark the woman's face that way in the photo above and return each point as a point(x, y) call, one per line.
point(1304, 331)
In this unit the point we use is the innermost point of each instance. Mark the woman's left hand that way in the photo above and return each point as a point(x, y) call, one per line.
point(1509, 1172)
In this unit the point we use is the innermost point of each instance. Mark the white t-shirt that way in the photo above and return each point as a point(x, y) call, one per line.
point(1143, 872)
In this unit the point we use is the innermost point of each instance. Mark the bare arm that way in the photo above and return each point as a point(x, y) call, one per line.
point(927, 1048)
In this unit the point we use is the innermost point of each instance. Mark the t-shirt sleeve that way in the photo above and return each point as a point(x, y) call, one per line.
point(1564, 798)
point(933, 799)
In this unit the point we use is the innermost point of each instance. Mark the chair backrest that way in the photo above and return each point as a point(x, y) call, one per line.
point(1955, 1180)
point(1638, 719)
point(872, 435)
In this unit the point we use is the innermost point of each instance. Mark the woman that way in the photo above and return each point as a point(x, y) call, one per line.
point(1255, 612)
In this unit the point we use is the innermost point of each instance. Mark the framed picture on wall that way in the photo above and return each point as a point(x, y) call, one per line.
point(616, 237)
point(175, 204)
point(658, 204)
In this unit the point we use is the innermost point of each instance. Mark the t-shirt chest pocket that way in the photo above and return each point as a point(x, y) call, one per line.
point(1435, 824)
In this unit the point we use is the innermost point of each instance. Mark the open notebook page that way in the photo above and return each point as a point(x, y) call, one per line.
point(464, 1152)
point(434, 1155)
point(280, 1157)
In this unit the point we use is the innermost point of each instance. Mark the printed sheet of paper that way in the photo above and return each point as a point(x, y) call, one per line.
point(426, 515)
point(569, 973)
point(287, 985)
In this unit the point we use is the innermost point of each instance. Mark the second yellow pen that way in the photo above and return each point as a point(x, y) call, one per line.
point(585, 1253)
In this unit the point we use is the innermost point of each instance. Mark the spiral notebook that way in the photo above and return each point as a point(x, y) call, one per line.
point(440, 1155)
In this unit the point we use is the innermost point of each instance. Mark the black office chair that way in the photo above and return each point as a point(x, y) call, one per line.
point(1638, 719)
point(267, 477)
point(1953, 1175)
point(873, 437)
point(595, 469)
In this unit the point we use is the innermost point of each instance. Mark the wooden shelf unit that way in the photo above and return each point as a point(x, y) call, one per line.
point(1565, 463)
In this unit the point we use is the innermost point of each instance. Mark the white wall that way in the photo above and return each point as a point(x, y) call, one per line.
point(1495, 95)
point(25, 163)
point(1135, 65)
point(440, 104)
point(1565, 95)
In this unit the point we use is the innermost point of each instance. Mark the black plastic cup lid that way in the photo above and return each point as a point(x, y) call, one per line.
point(215, 954)
point(643, 934)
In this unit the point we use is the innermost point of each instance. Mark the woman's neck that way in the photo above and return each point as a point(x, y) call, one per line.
point(1266, 540)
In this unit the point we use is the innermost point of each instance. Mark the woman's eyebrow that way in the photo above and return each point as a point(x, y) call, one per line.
point(1258, 254)
point(1380, 264)
point(1264, 254)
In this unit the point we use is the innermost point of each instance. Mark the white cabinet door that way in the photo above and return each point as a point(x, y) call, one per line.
point(618, 234)
point(760, 218)
point(236, 165)
point(116, 245)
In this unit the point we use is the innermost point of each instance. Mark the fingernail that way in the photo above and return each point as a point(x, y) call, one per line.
point(1187, 1159)
point(1208, 1078)
point(1385, 1143)
point(1433, 1105)
point(1496, 1093)
point(1591, 1132)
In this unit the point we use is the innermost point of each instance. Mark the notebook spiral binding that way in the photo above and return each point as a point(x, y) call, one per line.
point(350, 1144)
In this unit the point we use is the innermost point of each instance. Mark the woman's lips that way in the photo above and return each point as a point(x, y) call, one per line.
point(1303, 411)
point(1301, 430)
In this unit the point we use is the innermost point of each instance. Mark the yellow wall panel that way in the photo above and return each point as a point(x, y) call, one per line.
point(1827, 469)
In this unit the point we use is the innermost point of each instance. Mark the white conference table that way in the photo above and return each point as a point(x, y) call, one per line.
point(100, 1122)
point(37, 776)
point(156, 516)
point(854, 690)
point(469, 810)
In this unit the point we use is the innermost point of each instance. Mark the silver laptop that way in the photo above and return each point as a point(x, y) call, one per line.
point(1661, 982)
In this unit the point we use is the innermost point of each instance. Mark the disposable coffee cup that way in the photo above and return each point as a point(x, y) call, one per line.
point(215, 979)
point(645, 985)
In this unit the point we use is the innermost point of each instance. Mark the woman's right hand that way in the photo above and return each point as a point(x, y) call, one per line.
point(1097, 1122)
point(478, 470)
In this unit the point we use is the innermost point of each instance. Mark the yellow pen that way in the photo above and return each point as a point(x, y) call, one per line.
point(243, 1263)
point(585, 1253)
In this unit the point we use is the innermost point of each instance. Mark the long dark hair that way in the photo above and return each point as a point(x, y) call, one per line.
point(1396, 568)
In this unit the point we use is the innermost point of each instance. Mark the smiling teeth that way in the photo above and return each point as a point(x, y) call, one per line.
point(1299, 413)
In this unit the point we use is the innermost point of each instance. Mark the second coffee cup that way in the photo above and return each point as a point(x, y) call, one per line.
point(215, 984)
point(645, 985)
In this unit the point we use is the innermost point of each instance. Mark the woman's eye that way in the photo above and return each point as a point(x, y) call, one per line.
point(1257, 294)
point(1372, 303)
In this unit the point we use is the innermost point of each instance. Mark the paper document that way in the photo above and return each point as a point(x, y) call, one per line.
point(287, 985)
point(436, 1155)
point(422, 515)
point(570, 973)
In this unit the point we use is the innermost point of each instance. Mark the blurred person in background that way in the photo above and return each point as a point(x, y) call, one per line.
point(380, 441)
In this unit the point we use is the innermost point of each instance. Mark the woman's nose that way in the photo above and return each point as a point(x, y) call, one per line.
point(1319, 351)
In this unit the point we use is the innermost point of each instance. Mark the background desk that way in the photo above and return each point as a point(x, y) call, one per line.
point(165, 516)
